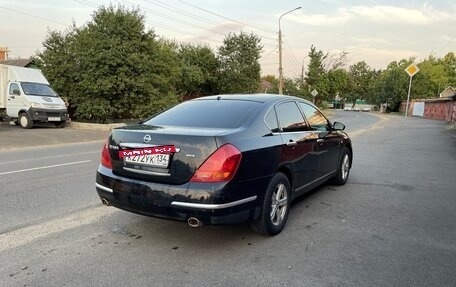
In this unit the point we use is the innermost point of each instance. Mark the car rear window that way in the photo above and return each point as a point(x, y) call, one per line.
point(206, 114)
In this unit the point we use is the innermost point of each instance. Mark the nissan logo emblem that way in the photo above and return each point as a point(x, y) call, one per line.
point(147, 138)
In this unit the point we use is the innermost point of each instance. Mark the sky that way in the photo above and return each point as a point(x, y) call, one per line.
point(377, 32)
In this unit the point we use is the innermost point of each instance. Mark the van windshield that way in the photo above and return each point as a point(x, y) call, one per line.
point(37, 89)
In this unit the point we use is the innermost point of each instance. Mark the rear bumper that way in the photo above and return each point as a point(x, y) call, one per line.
point(209, 203)
point(48, 115)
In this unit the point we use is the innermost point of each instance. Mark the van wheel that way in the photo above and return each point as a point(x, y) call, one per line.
point(60, 124)
point(25, 121)
point(276, 205)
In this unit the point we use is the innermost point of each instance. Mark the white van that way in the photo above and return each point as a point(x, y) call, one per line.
point(26, 98)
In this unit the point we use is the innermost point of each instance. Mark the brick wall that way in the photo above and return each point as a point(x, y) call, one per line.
point(437, 110)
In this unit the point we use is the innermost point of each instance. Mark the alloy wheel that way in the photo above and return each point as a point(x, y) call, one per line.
point(345, 167)
point(279, 204)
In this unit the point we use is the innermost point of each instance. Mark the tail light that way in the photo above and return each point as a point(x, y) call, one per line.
point(220, 166)
point(105, 157)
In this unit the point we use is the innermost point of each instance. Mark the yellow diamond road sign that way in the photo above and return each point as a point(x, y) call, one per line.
point(412, 70)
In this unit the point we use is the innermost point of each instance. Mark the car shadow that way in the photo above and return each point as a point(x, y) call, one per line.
point(176, 234)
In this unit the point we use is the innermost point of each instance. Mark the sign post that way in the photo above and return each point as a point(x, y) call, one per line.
point(314, 93)
point(411, 71)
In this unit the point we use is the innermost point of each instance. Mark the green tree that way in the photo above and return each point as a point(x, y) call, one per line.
point(56, 62)
point(431, 77)
point(391, 85)
point(113, 67)
point(338, 83)
point(198, 70)
point(361, 82)
point(449, 62)
point(239, 70)
point(316, 76)
point(292, 87)
point(273, 81)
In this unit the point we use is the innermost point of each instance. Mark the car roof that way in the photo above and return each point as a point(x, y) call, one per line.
point(263, 98)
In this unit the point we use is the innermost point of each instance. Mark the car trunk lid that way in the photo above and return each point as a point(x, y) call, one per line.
point(160, 154)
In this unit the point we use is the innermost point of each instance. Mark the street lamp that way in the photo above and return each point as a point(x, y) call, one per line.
point(280, 51)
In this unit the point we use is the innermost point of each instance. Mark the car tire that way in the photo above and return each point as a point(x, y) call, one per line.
point(275, 207)
point(25, 121)
point(343, 170)
point(60, 124)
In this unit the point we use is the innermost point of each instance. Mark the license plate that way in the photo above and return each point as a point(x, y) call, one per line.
point(53, 119)
point(161, 160)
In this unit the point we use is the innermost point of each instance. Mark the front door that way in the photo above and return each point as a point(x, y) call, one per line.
point(15, 100)
point(328, 142)
point(298, 144)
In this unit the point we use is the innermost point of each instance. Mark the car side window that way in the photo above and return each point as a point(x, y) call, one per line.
point(290, 118)
point(271, 121)
point(315, 118)
point(13, 87)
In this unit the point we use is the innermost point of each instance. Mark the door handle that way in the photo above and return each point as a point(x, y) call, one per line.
point(292, 143)
point(320, 140)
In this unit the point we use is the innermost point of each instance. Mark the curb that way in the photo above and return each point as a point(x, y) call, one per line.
point(98, 127)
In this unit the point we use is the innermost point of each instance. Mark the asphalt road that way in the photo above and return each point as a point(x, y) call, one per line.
point(392, 224)
point(14, 137)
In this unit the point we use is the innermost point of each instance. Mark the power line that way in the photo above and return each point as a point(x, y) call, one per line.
point(187, 23)
point(194, 16)
point(181, 11)
point(166, 27)
point(272, 51)
point(291, 52)
point(149, 11)
point(87, 3)
point(229, 19)
point(34, 16)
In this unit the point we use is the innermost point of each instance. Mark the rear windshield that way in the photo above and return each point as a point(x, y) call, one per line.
point(206, 114)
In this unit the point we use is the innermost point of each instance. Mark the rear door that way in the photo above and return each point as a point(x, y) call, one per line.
point(298, 148)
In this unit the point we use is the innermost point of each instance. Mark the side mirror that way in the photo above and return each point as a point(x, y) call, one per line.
point(16, 92)
point(337, 126)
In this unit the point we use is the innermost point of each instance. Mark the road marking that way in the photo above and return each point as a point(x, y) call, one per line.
point(44, 167)
point(6, 149)
point(352, 119)
point(375, 126)
point(26, 235)
point(49, 157)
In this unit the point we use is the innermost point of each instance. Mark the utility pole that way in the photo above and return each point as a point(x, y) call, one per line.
point(302, 72)
point(280, 51)
point(280, 61)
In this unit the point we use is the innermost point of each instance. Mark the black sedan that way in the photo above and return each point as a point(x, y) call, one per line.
point(224, 159)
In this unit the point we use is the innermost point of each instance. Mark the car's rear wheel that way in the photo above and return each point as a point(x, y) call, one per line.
point(275, 208)
point(344, 168)
point(25, 121)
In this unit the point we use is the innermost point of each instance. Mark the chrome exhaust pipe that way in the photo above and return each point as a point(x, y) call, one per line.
point(105, 202)
point(194, 222)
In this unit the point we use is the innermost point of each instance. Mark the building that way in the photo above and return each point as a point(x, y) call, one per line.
point(442, 108)
point(27, 63)
point(448, 92)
